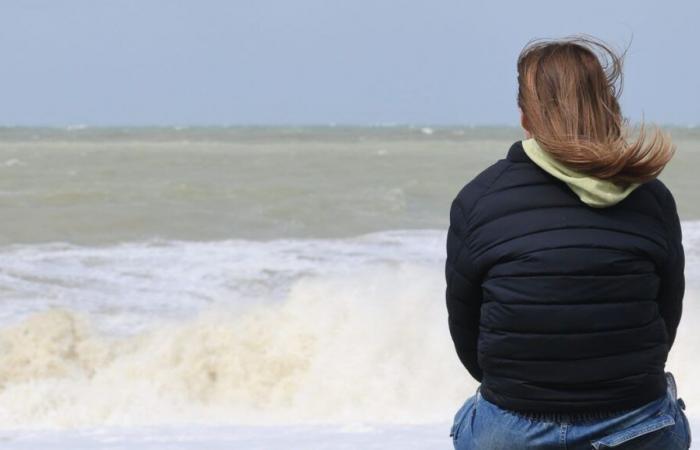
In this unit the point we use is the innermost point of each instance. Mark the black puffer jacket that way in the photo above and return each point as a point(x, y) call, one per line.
point(556, 306)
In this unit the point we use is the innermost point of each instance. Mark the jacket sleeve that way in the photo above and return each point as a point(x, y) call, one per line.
point(672, 286)
point(463, 293)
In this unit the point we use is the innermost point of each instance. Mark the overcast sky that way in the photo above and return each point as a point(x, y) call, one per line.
point(294, 62)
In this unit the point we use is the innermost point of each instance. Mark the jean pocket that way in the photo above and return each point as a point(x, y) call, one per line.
point(638, 431)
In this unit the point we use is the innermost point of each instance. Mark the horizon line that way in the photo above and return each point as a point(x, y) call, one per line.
point(180, 126)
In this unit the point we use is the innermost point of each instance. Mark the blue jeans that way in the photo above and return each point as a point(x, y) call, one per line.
point(658, 425)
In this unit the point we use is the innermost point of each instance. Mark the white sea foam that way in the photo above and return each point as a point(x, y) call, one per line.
point(369, 346)
point(244, 332)
point(14, 162)
point(233, 332)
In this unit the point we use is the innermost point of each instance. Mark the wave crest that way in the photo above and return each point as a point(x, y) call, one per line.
point(370, 345)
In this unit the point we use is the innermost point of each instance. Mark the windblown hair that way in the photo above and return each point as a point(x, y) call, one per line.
point(570, 102)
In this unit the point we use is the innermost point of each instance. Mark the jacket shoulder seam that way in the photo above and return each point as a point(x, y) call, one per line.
point(664, 210)
point(507, 167)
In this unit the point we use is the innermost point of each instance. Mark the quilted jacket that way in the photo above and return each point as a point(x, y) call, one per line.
point(563, 294)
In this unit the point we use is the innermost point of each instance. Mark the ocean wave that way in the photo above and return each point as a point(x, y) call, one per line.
point(245, 332)
point(373, 346)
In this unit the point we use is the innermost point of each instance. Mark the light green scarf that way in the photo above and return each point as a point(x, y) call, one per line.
point(593, 191)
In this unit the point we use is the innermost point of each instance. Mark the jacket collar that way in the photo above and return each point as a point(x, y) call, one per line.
point(517, 153)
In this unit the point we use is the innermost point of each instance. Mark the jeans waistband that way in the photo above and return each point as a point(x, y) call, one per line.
point(571, 417)
point(588, 415)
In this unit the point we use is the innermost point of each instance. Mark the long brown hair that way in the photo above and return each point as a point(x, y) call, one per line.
point(570, 102)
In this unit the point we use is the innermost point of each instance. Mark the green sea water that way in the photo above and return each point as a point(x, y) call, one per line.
point(106, 185)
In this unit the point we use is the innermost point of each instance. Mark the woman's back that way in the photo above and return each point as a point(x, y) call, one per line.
point(575, 307)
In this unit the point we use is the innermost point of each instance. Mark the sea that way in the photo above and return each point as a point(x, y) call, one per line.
point(249, 287)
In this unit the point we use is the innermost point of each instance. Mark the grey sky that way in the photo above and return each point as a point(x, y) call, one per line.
point(199, 62)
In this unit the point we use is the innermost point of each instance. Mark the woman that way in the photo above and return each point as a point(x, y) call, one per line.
point(565, 271)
